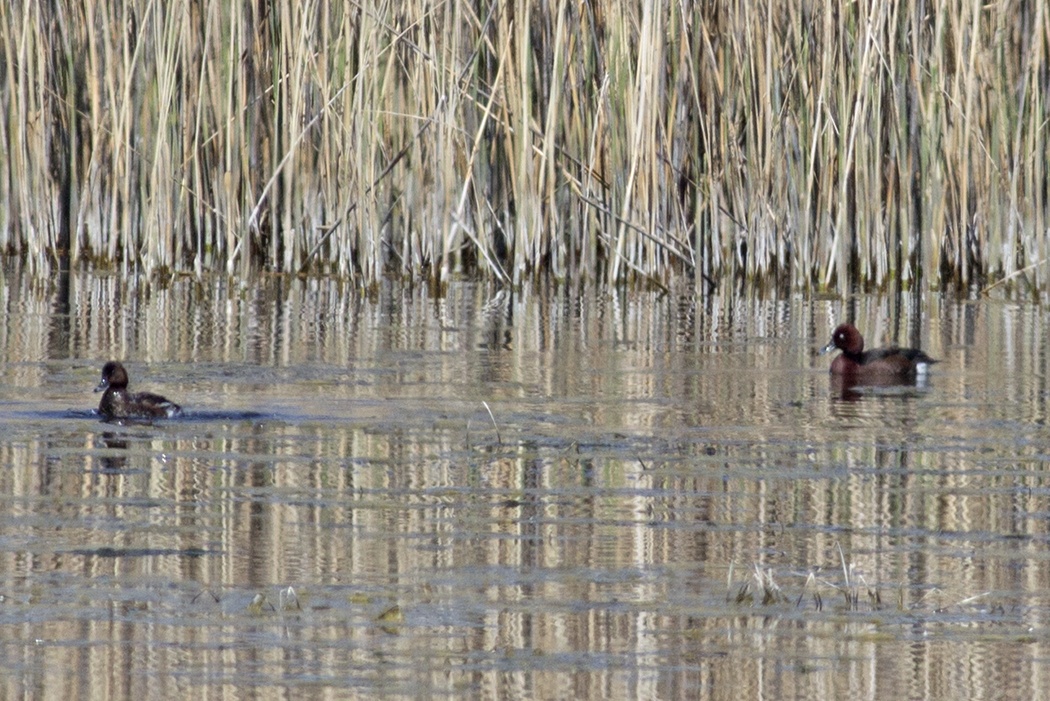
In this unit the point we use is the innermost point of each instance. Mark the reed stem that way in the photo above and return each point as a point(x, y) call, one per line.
point(817, 143)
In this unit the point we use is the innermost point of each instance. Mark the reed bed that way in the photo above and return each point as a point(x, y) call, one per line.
point(817, 143)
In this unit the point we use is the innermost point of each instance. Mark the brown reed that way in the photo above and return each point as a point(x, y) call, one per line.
point(803, 141)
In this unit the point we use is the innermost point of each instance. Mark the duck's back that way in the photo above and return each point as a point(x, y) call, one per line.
point(121, 404)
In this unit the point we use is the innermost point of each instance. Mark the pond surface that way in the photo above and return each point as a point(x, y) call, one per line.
point(538, 494)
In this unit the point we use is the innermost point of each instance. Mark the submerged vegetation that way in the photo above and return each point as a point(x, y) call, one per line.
point(812, 143)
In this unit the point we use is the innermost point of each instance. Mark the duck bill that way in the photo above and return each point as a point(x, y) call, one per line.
point(102, 386)
point(827, 349)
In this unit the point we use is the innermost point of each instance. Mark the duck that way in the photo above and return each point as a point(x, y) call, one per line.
point(118, 403)
point(880, 364)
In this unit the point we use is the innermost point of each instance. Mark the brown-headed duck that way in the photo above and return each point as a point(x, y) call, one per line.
point(119, 403)
point(880, 364)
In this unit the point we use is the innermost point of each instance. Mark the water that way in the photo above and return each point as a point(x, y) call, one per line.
point(544, 494)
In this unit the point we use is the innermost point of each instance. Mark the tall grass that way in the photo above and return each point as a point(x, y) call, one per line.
point(809, 142)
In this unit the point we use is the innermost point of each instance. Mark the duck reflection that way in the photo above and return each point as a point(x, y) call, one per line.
point(114, 462)
point(851, 388)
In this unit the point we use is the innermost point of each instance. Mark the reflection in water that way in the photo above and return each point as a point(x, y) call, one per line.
point(669, 498)
point(115, 459)
point(60, 321)
point(852, 389)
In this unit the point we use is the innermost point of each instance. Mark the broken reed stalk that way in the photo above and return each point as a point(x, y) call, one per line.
point(495, 426)
point(802, 141)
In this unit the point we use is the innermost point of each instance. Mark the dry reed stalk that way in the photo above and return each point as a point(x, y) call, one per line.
point(811, 142)
point(10, 134)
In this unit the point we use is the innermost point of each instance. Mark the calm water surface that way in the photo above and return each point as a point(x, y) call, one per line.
point(545, 494)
